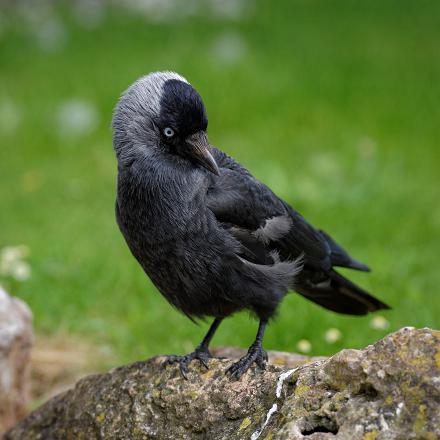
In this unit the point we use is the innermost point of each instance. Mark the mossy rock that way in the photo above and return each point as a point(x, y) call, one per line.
point(390, 390)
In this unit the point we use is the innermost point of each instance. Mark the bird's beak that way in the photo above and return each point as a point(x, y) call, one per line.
point(199, 150)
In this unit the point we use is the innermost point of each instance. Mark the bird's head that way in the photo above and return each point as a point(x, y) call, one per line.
point(162, 112)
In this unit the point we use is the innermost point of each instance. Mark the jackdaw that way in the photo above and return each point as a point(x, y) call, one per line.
point(213, 239)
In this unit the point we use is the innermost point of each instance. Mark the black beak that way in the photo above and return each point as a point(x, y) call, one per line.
point(199, 150)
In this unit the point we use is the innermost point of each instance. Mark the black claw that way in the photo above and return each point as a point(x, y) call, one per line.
point(204, 363)
point(202, 355)
point(184, 370)
point(255, 354)
point(261, 363)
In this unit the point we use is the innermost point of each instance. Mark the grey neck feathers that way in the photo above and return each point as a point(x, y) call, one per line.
point(160, 181)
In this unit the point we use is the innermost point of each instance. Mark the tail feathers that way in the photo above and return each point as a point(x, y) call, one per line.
point(341, 258)
point(342, 296)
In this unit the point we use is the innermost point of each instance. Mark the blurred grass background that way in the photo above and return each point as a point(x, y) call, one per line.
point(335, 105)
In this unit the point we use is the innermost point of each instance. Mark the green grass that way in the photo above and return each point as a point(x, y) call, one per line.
point(335, 105)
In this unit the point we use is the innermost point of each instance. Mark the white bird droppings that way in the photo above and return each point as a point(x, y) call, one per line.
point(258, 432)
point(281, 380)
point(274, 408)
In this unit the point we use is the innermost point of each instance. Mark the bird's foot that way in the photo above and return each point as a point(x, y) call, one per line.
point(255, 354)
point(201, 354)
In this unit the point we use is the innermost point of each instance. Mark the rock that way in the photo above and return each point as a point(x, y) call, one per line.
point(390, 390)
point(15, 348)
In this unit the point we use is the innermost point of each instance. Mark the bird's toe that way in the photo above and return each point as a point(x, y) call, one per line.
point(255, 354)
point(237, 370)
point(182, 361)
point(183, 367)
point(202, 356)
point(261, 360)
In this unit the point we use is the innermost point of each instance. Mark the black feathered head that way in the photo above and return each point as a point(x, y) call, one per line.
point(162, 112)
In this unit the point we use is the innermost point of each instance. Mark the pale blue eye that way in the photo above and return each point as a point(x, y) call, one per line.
point(168, 132)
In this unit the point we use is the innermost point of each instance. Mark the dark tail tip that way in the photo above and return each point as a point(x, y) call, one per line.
point(342, 296)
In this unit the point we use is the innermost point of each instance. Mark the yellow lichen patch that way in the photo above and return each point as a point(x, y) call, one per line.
point(268, 436)
point(100, 418)
point(414, 394)
point(420, 419)
point(389, 400)
point(245, 423)
point(370, 435)
point(193, 394)
point(437, 358)
point(278, 360)
point(214, 363)
point(339, 397)
point(155, 393)
point(420, 361)
point(301, 389)
point(208, 375)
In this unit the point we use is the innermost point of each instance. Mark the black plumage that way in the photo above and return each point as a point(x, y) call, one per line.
point(212, 238)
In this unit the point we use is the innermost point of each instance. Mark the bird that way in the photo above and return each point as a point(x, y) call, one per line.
point(212, 238)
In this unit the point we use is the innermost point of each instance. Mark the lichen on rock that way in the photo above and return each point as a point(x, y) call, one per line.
point(390, 390)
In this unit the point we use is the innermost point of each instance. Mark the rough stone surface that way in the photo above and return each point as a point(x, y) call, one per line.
point(15, 347)
point(390, 390)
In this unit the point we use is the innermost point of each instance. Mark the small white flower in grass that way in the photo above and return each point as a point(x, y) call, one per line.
point(76, 117)
point(21, 271)
point(229, 48)
point(230, 9)
point(332, 335)
point(162, 10)
point(379, 323)
point(12, 264)
point(304, 346)
point(89, 13)
point(51, 35)
point(11, 254)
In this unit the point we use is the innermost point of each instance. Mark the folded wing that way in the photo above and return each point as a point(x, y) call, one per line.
point(268, 229)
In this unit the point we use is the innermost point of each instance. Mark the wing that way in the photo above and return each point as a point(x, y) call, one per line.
point(261, 221)
point(268, 229)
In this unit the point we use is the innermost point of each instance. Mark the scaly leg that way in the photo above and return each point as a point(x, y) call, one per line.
point(255, 354)
point(201, 352)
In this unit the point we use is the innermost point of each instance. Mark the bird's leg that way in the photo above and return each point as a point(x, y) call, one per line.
point(201, 352)
point(255, 354)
